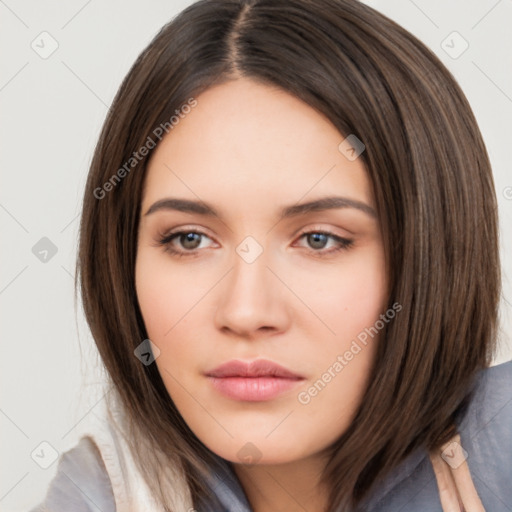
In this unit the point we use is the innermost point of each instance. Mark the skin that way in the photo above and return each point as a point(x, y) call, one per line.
point(248, 150)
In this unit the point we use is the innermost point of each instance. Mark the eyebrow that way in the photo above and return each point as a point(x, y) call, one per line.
point(322, 204)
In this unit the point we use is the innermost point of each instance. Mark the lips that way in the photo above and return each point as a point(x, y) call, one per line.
point(253, 381)
point(257, 368)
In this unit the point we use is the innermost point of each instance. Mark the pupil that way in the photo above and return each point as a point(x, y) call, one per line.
point(317, 240)
point(190, 239)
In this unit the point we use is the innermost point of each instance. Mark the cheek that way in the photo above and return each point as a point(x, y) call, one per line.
point(167, 294)
point(349, 299)
point(174, 303)
point(344, 298)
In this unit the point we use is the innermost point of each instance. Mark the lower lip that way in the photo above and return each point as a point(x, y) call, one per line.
point(253, 389)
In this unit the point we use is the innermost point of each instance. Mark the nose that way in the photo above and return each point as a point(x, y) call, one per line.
point(252, 302)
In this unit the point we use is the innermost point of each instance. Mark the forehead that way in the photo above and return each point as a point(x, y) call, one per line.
point(251, 145)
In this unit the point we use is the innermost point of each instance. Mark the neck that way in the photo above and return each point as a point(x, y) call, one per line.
point(290, 487)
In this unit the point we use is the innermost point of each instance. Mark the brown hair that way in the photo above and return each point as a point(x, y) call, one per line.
point(434, 193)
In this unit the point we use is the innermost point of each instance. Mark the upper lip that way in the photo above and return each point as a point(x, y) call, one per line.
point(255, 368)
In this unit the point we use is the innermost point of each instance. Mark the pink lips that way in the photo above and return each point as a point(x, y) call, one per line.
point(254, 381)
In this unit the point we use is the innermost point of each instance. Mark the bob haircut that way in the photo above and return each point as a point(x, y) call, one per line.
point(435, 198)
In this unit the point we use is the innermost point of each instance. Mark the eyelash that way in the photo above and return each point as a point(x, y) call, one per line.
point(165, 241)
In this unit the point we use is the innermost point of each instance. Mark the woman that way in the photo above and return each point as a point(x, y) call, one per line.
point(289, 263)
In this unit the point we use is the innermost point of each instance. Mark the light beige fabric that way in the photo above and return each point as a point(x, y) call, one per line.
point(131, 492)
point(456, 489)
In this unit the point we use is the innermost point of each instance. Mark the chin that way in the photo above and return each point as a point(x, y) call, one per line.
point(258, 451)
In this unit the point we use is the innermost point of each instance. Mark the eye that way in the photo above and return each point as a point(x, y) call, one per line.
point(319, 240)
point(187, 242)
point(183, 243)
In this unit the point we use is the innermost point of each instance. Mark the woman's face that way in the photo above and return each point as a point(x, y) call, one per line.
point(263, 278)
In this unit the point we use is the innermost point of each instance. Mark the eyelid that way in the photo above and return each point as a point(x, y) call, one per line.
point(165, 239)
point(187, 228)
point(203, 231)
point(327, 230)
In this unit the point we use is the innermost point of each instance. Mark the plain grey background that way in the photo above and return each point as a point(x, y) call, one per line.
point(53, 106)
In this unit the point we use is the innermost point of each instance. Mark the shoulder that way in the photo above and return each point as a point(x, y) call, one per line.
point(486, 439)
point(490, 409)
point(81, 483)
point(486, 436)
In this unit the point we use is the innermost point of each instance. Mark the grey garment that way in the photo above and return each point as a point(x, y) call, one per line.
point(82, 483)
point(486, 436)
